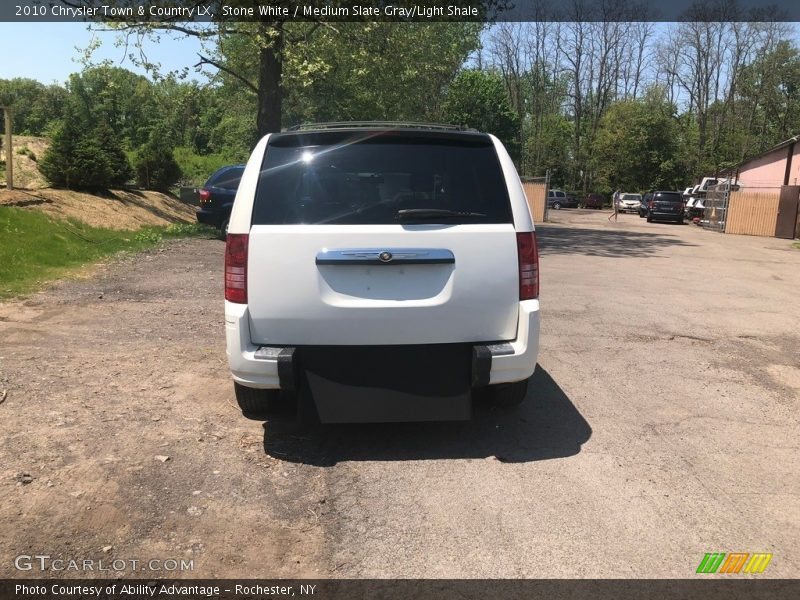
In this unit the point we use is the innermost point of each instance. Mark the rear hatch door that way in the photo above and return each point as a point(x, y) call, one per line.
point(376, 238)
point(668, 203)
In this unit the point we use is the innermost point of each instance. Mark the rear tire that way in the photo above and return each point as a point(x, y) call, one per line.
point(223, 230)
point(649, 219)
point(255, 404)
point(508, 395)
point(557, 205)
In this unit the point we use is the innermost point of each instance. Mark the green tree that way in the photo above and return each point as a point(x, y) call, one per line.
point(637, 146)
point(124, 100)
point(155, 164)
point(263, 55)
point(113, 154)
point(80, 160)
point(768, 108)
point(35, 105)
point(376, 71)
point(478, 99)
point(57, 164)
point(546, 147)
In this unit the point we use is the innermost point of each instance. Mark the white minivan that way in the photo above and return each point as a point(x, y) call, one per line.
point(380, 272)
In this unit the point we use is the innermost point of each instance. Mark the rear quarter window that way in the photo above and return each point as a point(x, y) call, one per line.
point(356, 178)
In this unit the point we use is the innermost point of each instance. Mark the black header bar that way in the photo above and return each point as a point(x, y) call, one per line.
point(420, 11)
point(710, 588)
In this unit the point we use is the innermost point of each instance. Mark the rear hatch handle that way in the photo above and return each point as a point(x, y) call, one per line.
point(385, 256)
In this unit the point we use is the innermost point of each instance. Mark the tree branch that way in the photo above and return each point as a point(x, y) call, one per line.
point(207, 61)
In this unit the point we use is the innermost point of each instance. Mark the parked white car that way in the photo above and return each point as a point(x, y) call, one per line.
point(629, 202)
point(381, 272)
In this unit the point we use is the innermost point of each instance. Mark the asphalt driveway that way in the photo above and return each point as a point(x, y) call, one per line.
point(661, 424)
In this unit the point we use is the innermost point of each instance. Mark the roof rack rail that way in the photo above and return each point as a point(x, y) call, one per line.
point(378, 124)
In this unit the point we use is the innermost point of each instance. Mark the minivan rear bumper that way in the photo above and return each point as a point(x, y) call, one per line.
point(270, 368)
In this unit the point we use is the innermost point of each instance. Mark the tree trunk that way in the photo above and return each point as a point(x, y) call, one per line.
point(270, 91)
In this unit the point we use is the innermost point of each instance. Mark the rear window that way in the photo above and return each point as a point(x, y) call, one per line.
point(670, 197)
point(347, 178)
point(228, 179)
point(631, 197)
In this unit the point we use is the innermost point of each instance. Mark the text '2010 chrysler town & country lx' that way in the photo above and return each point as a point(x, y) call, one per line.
point(381, 272)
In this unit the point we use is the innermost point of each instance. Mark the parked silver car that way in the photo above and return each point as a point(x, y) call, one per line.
point(629, 202)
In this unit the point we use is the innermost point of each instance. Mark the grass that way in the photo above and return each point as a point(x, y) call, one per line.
point(37, 249)
point(796, 245)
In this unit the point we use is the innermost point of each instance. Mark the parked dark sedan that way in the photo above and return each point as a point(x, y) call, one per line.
point(217, 196)
point(665, 206)
point(594, 201)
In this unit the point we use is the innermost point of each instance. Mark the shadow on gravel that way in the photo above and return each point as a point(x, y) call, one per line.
point(611, 243)
point(547, 425)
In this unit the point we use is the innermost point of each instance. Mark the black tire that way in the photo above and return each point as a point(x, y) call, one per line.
point(557, 205)
point(508, 395)
point(649, 219)
point(223, 230)
point(255, 404)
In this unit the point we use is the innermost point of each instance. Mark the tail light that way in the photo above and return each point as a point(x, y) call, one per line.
point(528, 255)
point(236, 268)
point(205, 196)
point(650, 205)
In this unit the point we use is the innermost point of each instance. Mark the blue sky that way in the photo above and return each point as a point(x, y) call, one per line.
point(46, 51)
point(49, 52)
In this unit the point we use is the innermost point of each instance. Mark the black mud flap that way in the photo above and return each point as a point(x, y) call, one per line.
point(388, 383)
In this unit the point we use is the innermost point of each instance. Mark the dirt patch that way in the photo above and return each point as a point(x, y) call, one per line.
point(120, 209)
point(121, 437)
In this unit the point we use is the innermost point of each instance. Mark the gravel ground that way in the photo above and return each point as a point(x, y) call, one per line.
point(660, 425)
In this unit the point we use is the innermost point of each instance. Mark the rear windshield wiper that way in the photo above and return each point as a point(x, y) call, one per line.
point(414, 214)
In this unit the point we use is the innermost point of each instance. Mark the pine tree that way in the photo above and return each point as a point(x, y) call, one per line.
point(83, 158)
point(155, 164)
point(113, 153)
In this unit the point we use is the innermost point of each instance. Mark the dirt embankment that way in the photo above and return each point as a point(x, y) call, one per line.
point(28, 150)
point(116, 209)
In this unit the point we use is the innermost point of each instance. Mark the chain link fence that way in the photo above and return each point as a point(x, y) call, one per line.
point(715, 207)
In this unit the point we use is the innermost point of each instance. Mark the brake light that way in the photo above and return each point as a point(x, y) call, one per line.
point(650, 204)
point(205, 196)
point(236, 268)
point(528, 256)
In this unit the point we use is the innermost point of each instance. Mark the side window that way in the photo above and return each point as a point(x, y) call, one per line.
point(561, 194)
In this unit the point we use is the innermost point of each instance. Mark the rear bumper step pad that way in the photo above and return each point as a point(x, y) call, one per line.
point(355, 384)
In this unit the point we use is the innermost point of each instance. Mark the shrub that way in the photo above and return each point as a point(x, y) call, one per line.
point(78, 159)
point(155, 165)
point(196, 168)
point(25, 151)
